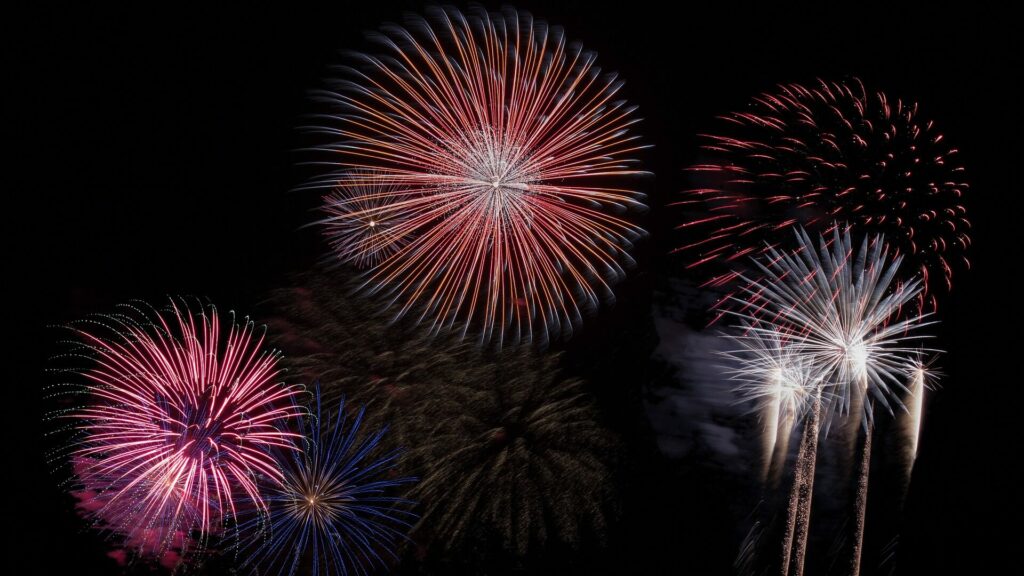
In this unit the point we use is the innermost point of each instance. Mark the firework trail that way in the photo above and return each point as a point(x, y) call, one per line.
point(362, 220)
point(798, 518)
point(517, 458)
point(910, 424)
point(814, 155)
point(861, 502)
point(502, 147)
point(177, 425)
point(840, 309)
point(335, 512)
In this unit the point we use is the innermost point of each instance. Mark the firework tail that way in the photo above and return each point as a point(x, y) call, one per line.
point(772, 412)
point(776, 459)
point(861, 501)
point(798, 516)
point(910, 421)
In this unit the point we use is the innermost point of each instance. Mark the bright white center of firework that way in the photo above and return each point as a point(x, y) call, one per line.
point(857, 356)
point(500, 172)
point(372, 223)
point(786, 385)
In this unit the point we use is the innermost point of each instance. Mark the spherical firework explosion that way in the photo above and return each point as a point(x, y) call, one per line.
point(812, 156)
point(178, 425)
point(517, 457)
point(842, 308)
point(362, 220)
point(335, 512)
point(501, 145)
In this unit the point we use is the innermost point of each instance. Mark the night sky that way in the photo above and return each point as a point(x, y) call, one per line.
point(153, 153)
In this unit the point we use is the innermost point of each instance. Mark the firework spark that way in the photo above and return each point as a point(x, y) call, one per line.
point(335, 512)
point(811, 156)
point(177, 426)
point(502, 146)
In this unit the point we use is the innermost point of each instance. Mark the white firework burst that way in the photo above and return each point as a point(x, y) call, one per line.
point(846, 311)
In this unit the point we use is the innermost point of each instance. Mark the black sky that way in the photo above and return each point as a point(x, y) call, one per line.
point(152, 154)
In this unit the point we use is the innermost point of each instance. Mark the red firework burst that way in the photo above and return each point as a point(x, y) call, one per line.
point(177, 427)
point(817, 156)
point(501, 145)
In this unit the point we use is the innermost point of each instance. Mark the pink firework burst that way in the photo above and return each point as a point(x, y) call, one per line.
point(814, 156)
point(177, 426)
point(502, 146)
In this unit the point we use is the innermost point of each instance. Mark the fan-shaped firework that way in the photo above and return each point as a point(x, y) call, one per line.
point(842, 307)
point(518, 457)
point(811, 156)
point(503, 145)
point(177, 426)
point(773, 371)
point(335, 512)
point(362, 220)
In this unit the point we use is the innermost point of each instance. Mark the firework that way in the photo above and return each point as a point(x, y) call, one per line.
point(362, 220)
point(335, 512)
point(812, 156)
point(517, 457)
point(501, 147)
point(778, 376)
point(178, 424)
point(843, 308)
point(775, 370)
point(910, 423)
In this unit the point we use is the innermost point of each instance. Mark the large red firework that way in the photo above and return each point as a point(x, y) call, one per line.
point(500, 145)
point(177, 425)
point(826, 154)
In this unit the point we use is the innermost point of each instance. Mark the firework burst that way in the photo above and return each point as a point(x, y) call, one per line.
point(812, 156)
point(335, 512)
point(501, 146)
point(518, 457)
point(177, 426)
point(362, 220)
point(780, 378)
point(843, 309)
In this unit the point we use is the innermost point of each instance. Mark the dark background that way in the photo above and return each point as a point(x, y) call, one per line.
point(152, 154)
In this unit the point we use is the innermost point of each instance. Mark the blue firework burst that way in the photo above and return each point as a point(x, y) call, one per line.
point(336, 513)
